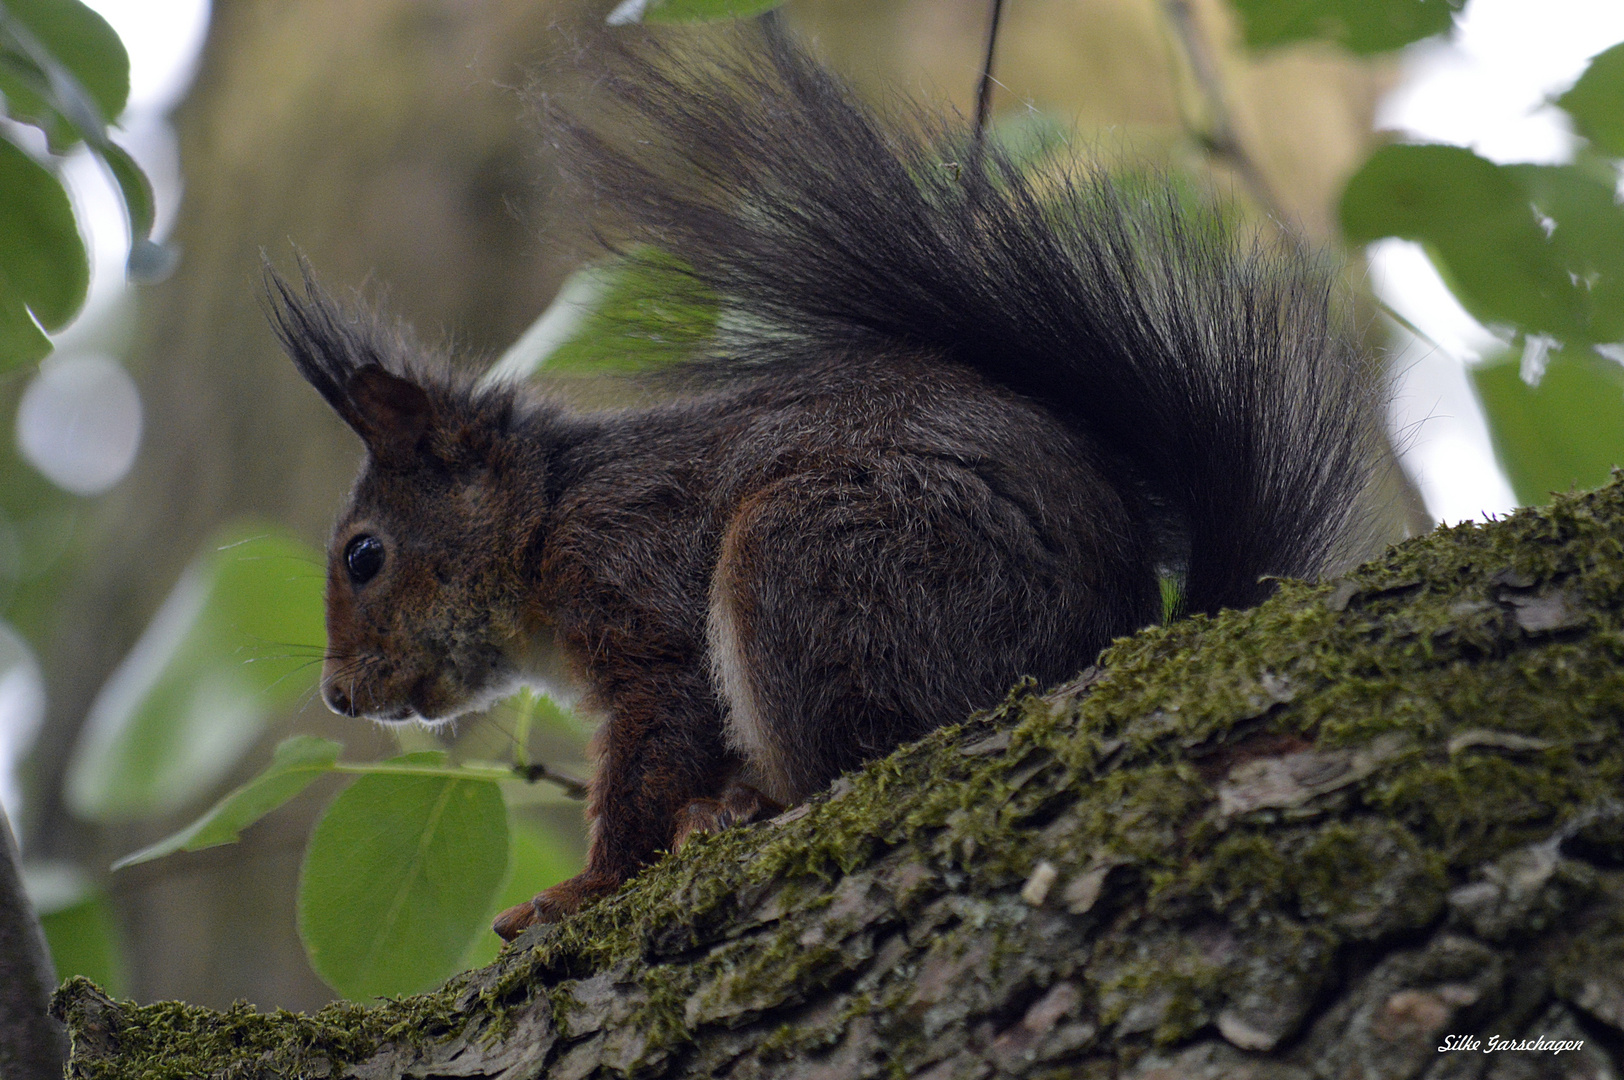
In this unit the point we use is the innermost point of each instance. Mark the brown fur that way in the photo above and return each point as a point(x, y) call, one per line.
point(892, 540)
point(956, 422)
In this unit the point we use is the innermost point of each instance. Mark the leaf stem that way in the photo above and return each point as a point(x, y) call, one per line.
point(573, 788)
point(452, 772)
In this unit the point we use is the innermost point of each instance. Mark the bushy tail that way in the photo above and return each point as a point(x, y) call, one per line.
point(1212, 365)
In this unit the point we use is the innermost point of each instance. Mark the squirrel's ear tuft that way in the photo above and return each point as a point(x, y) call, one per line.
point(341, 354)
point(313, 333)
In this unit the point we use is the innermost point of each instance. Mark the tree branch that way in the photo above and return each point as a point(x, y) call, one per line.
point(1316, 838)
point(33, 1046)
point(1219, 137)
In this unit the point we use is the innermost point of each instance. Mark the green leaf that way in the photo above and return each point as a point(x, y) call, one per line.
point(43, 267)
point(632, 11)
point(1596, 101)
point(84, 940)
point(239, 638)
point(398, 879)
point(1567, 432)
point(538, 857)
point(134, 185)
point(63, 68)
point(21, 339)
point(1579, 206)
point(295, 766)
point(1172, 598)
point(1362, 26)
point(76, 42)
point(634, 315)
point(148, 261)
point(1535, 247)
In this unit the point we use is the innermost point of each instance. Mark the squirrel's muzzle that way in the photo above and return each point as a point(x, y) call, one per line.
point(337, 700)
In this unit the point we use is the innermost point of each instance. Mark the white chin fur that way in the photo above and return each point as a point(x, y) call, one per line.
point(413, 720)
point(475, 703)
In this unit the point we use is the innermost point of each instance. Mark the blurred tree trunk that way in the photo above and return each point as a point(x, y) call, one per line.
point(380, 137)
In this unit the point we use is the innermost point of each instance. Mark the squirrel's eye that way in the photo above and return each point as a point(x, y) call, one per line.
point(363, 558)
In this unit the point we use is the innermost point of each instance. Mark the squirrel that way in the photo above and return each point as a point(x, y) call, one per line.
point(960, 419)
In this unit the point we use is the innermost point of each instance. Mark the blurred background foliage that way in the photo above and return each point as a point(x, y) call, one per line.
point(174, 618)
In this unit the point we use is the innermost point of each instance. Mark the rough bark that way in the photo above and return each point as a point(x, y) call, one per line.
point(1312, 839)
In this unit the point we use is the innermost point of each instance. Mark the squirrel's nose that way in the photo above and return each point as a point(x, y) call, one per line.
point(337, 700)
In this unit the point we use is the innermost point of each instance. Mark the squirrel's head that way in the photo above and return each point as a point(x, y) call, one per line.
point(426, 598)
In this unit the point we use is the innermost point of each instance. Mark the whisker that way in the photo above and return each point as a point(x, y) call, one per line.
point(292, 672)
point(307, 657)
point(256, 649)
point(244, 540)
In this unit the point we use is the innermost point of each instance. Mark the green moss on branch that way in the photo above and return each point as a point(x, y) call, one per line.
point(1210, 845)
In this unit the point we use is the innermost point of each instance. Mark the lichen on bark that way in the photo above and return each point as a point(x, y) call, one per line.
point(1310, 839)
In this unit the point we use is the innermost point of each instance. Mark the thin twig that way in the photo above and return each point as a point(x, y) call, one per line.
point(573, 788)
point(1219, 138)
point(984, 90)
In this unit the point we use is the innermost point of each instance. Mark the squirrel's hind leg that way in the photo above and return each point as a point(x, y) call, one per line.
point(856, 607)
point(738, 804)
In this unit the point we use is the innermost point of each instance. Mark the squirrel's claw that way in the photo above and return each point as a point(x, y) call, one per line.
point(551, 905)
point(516, 920)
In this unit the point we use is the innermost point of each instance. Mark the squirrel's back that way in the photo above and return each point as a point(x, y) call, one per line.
point(1209, 365)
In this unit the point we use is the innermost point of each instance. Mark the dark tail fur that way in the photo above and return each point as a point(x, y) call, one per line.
point(1213, 366)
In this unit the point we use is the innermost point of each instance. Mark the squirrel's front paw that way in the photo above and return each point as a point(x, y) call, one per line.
point(551, 905)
